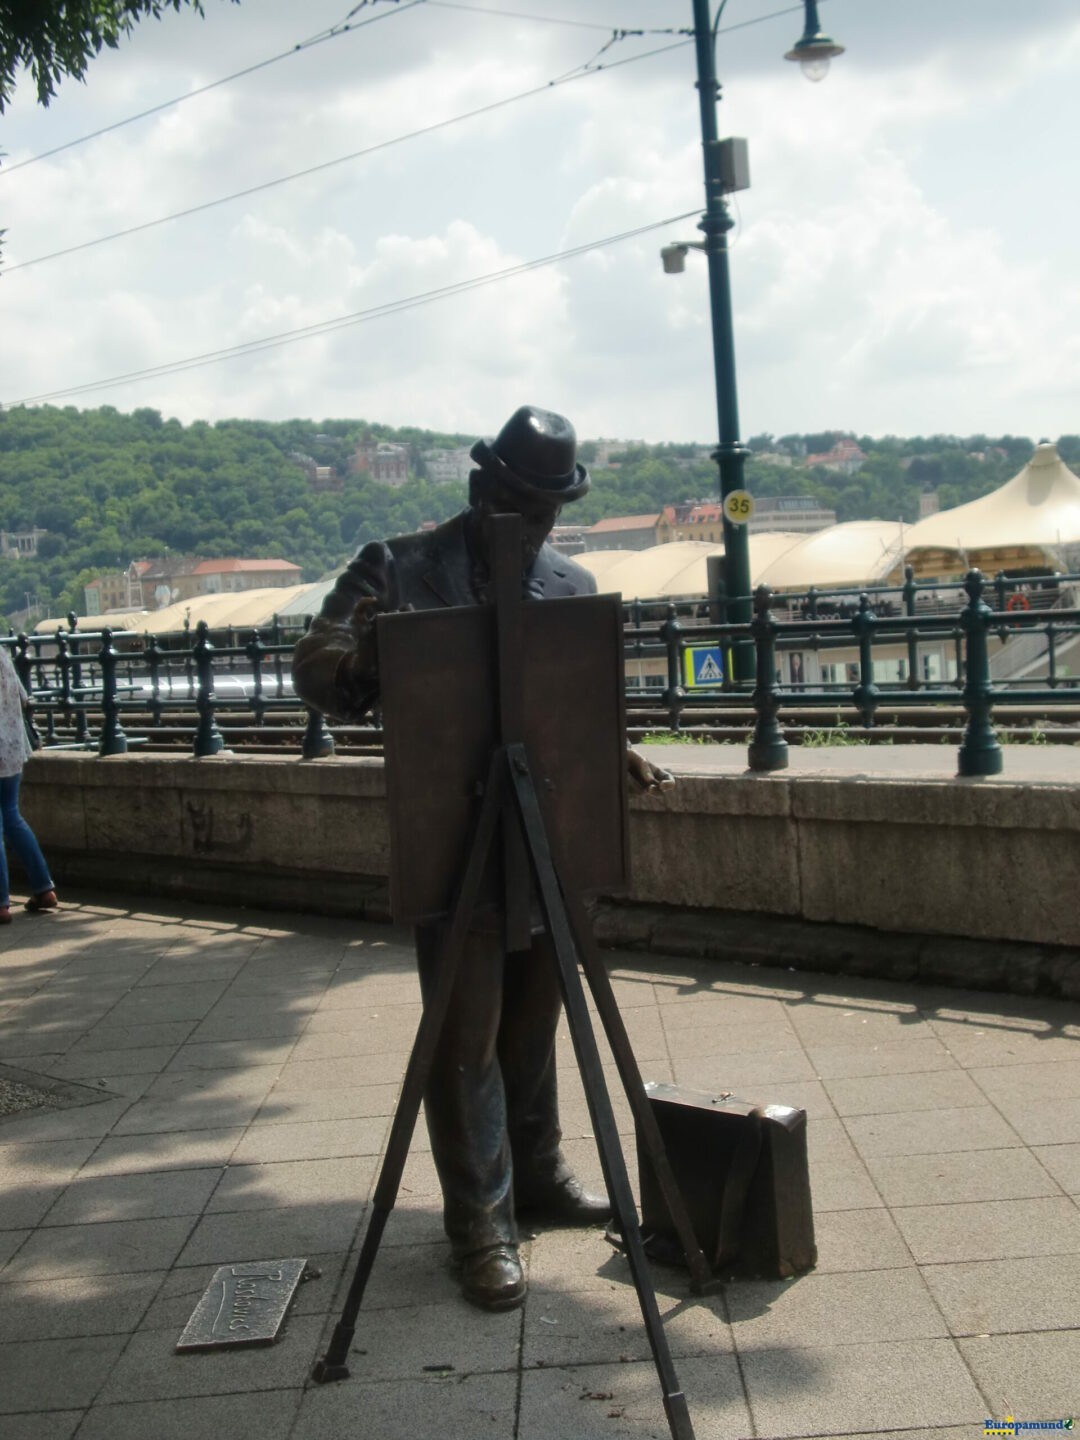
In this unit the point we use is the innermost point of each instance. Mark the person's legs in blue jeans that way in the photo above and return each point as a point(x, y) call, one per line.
point(17, 834)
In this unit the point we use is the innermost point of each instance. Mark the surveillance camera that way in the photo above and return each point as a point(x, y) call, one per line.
point(674, 258)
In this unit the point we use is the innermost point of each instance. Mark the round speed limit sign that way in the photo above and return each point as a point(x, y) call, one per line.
point(739, 506)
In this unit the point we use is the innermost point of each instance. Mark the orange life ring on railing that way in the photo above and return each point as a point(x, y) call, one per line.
point(1016, 601)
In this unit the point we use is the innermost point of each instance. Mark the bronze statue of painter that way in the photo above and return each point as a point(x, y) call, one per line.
point(491, 1102)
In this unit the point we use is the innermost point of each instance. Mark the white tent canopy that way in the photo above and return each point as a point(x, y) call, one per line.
point(860, 552)
point(678, 568)
point(1039, 508)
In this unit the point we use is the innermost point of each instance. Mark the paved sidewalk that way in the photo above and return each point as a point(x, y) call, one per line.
point(243, 1069)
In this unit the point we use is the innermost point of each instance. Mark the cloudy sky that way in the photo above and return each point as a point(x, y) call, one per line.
point(903, 263)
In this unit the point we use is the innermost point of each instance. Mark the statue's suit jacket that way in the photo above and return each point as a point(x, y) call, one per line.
point(426, 571)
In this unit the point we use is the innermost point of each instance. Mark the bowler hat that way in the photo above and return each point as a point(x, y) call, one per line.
point(535, 455)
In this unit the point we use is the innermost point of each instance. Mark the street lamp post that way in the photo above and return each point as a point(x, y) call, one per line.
point(726, 170)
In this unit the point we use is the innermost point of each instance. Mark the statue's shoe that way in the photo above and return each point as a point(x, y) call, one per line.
point(493, 1278)
point(562, 1200)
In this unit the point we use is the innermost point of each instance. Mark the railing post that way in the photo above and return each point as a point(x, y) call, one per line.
point(768, 749)
point(980, 753)
point(113, 740)
point(23, 667)
point(866, 694)
point(208, 738)
point(82, 727)
point(318, 742)
point(153, 656)
point(909, 592)
point(674, 695)
point(255, 650)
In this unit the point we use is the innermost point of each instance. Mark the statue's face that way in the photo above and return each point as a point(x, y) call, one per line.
point(537, 518)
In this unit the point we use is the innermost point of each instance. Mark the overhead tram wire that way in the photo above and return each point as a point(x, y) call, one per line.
point(344, 322)
point(581, 74)
point(334, 32)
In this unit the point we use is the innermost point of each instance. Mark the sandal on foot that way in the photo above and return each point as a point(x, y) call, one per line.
point(43, 900)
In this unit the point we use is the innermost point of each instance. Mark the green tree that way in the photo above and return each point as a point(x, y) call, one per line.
point(54, 38)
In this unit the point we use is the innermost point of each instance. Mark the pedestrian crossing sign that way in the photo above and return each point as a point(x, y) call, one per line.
point(702, 665)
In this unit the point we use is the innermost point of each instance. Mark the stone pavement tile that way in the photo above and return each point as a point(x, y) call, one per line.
point(83, 1121)
point(1063, 1162)
point(376, 1036)
point(177, 1150)
point(316, 1140)
point(1043, 1122)
point(758, 1073)
point(197, 1100)
point(295, 1107)
point(990, 1229)
point(1033, 1377)
point(604, 1327)
point(721, 1007)
point(1003, 1296)
point(156, 1003)
point(599, 1402)
point(859, 1240)
point(455, 1404)
point(81, 1305)
point(889, 1094)
point(53, 1161)
point(185, 1285)
point(144, 1196)
point(402, 1017)
point(411, 1275)
point(351, 990)
point(266, 1415)
point(10, 1240)
point(582, 1260)
point(1048, 1080)
point(92, 1064)
point(50, 1425)
point(110, 1036)
point(232, 1054)
point(948, 1432)
point(250, 1022)
point(18, 1041)
point(65, 1374)
point(841, 1182)
point(23, 1204)
point(182, 1085)
point(841, 1062)
point(343, 1073)
point(149, 1368)
point(255, 1234)
point(929, 1132)
point(399, 1343)
point(969, 1175)
point(973, 1045)
point(130, 1086)
point(418, 1222)
point(297, 1182)
point(820, 1026)
point(845, 1308)
point(710, 1038)
point(108, 1249)
point(829, 1390)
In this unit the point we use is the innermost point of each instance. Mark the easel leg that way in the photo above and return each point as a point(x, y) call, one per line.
point(333, 1365)
point(596, 1094)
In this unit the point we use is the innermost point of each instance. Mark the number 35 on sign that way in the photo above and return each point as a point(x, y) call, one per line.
point(739, 506)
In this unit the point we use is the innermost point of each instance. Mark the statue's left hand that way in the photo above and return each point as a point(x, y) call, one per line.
point(647, 776)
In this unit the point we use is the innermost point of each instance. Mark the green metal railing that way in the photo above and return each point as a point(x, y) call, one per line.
point(215, 691)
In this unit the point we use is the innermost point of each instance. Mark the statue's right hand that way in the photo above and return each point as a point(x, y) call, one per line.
point(364, 612)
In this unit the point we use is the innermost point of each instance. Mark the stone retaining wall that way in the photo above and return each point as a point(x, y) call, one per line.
point(912, 878)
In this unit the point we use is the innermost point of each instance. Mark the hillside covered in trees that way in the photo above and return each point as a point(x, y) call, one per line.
point(109, 488)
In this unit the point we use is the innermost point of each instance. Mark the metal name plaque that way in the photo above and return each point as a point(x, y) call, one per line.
point(243, 1305)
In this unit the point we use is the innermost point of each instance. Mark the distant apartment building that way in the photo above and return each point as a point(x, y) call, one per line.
point(570, 539)
point(446, 467)
point(622, 532)
point(775, 458)
point(116, 590)
point(799, 513)
point(605, 449)
point(20, 544)
point(845, 458)
point(692, 520)
point(385, 463)
point(929, 504)
point(219, 577)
